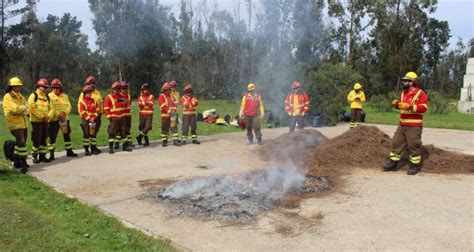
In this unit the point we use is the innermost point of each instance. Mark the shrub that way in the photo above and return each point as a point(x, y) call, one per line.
point(438, 104)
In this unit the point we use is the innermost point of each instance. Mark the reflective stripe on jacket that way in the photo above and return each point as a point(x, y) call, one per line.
point(97, 96)
point(419, 105)
point(189, 103)
point(114, 106)
point(16, 110)
point(88, 109)
point(41, 108)
point(351, 97)
point(167, 105)
point(59, 103)
point(296, 109)
point(145, 102)
point(251, 104)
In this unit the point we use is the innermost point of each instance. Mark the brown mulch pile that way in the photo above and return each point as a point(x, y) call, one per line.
point(361, 147)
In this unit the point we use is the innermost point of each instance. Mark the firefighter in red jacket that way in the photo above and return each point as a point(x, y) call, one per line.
point(251, 108)
point(297, 106)
point(89, 112)
point(168, 108)
point(127, 113)
point(412, 104)
point(114, 108)
point(189, 103)
point(145, 102)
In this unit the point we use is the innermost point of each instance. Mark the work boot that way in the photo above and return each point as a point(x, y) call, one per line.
point(51, 155)
point(23, 162)
point(94, 150)
point(259, 141)
point(413, 169)
point(111, 148)
point(392, 166)
point(195, 141)
point(42, 158)
point(117, 145)
point(70, 153)
point(164, 143)
point(35, 159)
point(126, 147)
point(86, 148)
point(250, 141)
point(130, 144)
point(17, 162)
point(183, 142)
point(139, 139)
point(147, 141)
point(176, 143)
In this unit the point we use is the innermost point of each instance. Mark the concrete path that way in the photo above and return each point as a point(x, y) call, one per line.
point(376, 210)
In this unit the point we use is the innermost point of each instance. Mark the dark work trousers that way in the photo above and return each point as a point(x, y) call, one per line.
point(146, 124)
point(128, 128)
point(174, 126)
point(252, 122)
point(117, 129)
point(53, 129)
point(20, 142)
point(87, 137)
point(294, 120)
point(189, 120)
point(355, 115)
point(98, 123)
point(165, 128)
point(407, 137)
point(39, 135)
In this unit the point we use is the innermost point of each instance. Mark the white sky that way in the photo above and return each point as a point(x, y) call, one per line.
point(458, 13)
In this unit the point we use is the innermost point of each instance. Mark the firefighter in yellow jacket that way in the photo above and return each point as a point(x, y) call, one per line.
point(356, 97)
point(40, 112)
point(16, 110)
point(61, 107)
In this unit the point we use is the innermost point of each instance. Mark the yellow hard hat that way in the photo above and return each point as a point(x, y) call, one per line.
point(357, 86)
point(15, 81)
point(410, 76)
point(250, 86)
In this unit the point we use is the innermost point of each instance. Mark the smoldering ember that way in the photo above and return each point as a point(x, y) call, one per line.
point(239, 197)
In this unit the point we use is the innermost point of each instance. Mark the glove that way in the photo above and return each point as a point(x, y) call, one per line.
point(357, 99)
point(303, 114)
point(395, 103)
point(62, 116)
point(262, 115)
point(404, 106)
point(23, 108)
point(289, 114)
point(241, 114)
point(45, 119)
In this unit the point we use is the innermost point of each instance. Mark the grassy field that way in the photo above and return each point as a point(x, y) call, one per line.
point(453, 120)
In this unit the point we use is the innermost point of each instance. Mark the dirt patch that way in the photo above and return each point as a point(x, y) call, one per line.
point(150, 184)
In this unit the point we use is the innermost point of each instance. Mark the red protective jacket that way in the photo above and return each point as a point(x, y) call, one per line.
point(145, 102)
point(115, 106)
point(298, 108)
point(418, 105)
point(189, 103)
point(167, 105)
point(252, 104)
point(88, 109)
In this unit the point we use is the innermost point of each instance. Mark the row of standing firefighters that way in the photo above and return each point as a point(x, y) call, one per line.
point(49, 114)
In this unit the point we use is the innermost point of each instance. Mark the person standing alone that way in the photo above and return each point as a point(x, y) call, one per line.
point(251, 110)
point(356, 97)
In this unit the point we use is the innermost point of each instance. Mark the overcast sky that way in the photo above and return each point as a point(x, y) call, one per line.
point(459, 14)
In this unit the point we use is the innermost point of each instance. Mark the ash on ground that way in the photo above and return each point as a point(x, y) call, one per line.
point(237, 198)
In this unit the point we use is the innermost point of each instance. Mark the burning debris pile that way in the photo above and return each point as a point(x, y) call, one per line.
point(239, 197)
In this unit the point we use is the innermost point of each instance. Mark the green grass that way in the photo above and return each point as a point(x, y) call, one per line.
point(452, 120)
point(222, 107)
point(35, 217)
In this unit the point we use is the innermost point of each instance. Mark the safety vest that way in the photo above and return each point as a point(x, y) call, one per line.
point(114, 106)
point(167, 105)
point(39, 108)
point(145, 102)
point(419, 105)
point(251, 104)
point(59, 104)
point(189, 103)
point(88, 109)
point(97, 98)
point(353, 95)
point(15, 116)
point(297, 103)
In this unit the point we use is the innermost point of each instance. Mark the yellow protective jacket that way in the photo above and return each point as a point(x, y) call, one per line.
point(59, 104)
point(353, 95)
point(176, 97)
point(16, 110)
point(97, 98)
point(40, 108)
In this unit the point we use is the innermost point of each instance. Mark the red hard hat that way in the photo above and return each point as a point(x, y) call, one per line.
point(87, 89)
point(42, 83)
point(145, 86)
point(56, 83)
point(166, 86)
point(116, 85)
point(295, 84)
point(90, 80)
point(124, 85)
point(188, 87)
point(172, 83)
